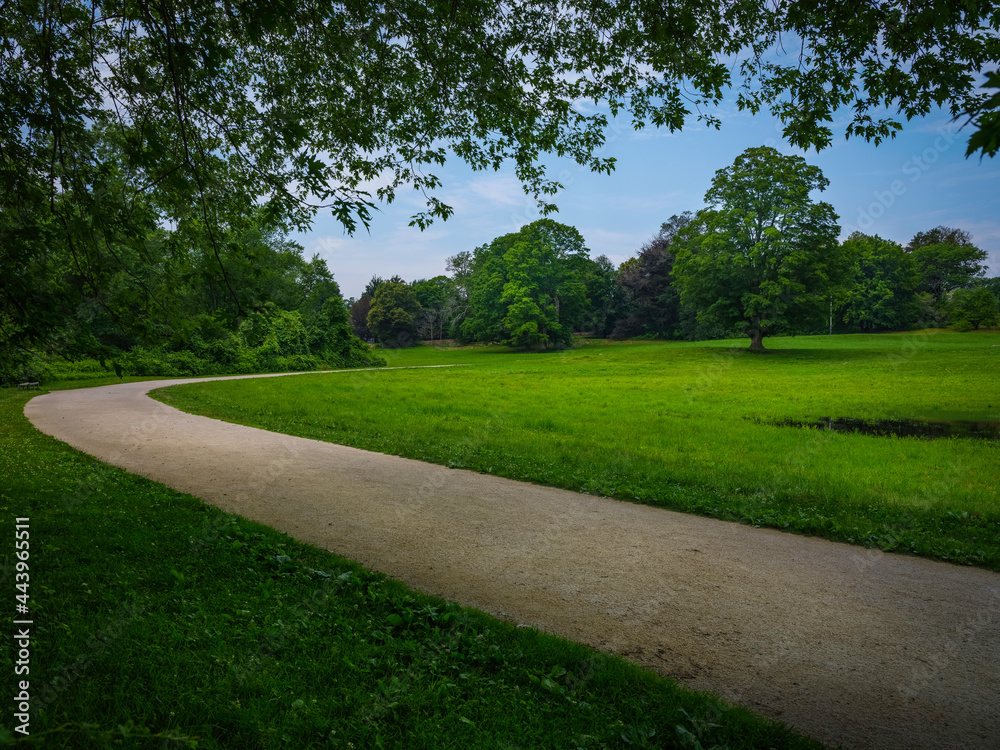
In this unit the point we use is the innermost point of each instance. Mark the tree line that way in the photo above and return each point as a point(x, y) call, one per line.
point(257, 306)
point(141, 142)
point(761, 260)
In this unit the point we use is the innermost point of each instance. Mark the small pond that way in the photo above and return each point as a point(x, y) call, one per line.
point(922, 428)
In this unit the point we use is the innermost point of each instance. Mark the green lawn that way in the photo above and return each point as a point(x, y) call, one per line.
point(161, 622)
point(678, 425)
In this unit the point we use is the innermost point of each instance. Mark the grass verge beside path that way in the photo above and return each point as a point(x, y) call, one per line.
point(685, 426)
point(160, 621)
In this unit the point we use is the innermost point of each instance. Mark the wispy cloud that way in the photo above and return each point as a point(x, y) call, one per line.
point(500, 190)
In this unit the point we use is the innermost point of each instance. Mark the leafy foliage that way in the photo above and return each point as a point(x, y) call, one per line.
point(376, 281)
point(882, 284)
point(393, 314)
point(359, 318)
point(764, 259)
point(653, 303)
point(605, 296)
point(438, 300)
point(869, 58)
point(946, 260)
point(986, 116)
point(972, 308)
point(527, 289)
point(200, 119)
point(285, 313)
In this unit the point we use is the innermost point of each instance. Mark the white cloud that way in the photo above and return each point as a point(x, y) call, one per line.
point(499, 190)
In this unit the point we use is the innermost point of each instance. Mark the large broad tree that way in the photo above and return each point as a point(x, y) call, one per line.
point(880, 292)
point(946, 259)
point(394, 314)
point(544, 295)
point(527, 288)
point(764, 257)
point(121, 117)
point(971, 308)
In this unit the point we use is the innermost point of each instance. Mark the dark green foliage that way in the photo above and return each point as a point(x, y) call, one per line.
point(880, 61)
point(992, 284)
point(652, 304)
point(483, 318)
point(194, 120)
point(946, 260)
point(269, 340)
point(881, 285)
point(359, 318)
point(394, 314)
point(376, 281)
point(265, 308)
point(460, 268)
point(439, 302)
point(972, 308)
point(528, 289)
point(944, 267)
point(605, 298)
point(986, 117)
point(765, 257)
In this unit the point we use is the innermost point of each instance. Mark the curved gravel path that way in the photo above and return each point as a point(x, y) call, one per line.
point(848, 645)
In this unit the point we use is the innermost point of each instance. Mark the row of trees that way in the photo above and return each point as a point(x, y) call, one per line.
point(189, 119)
point(532, 288)
point(256, 305)
point(762, 259)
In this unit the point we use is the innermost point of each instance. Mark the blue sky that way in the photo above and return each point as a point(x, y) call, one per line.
point(919, 180)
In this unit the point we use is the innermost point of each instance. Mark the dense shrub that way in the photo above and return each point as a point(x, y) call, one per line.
point(269, 340)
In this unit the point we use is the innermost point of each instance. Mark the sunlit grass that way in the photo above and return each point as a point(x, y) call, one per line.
point(678, 425)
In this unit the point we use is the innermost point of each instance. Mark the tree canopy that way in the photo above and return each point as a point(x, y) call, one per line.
point(202, 118)
point(652, 304)
point(880, 293)
point(393, 314)
point(946, 259)
point(972, 308)
point(762, 259)
point(528, 288)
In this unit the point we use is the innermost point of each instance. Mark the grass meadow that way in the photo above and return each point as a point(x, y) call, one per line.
point(684, 426)
point(162, 622)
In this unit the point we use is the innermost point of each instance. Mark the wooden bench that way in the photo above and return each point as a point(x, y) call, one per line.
point(30, 386)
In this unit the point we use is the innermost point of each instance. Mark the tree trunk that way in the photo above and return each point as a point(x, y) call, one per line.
point(757, 340)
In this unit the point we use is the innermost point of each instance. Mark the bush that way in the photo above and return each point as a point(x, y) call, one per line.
point(269, 340)
point(972, 308)
point(393, 315)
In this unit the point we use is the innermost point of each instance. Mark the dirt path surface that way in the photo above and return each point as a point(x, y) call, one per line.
point(848, 645)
